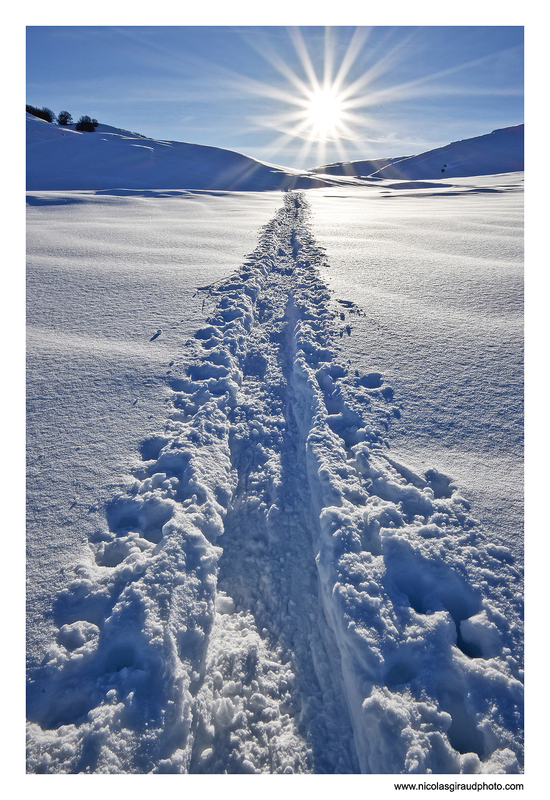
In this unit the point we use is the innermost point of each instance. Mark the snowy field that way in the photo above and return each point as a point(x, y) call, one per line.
point(275, 480)
point(438, 273)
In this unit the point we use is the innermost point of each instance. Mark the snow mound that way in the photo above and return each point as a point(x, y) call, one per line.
point(61, 158)
point(274, 593)
point(494, 153)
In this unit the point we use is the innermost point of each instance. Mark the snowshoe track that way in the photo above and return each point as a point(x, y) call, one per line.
point(274, 593)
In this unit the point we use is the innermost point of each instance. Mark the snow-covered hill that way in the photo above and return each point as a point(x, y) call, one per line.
point(497, 152)
point(61, 158)
point(356, 169)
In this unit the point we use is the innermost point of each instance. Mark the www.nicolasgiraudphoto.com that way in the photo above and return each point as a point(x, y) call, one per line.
point(476, 786)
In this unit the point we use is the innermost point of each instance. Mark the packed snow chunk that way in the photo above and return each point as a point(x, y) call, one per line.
point(341, 530)
point(412, 501)
point(502, 762)
point(125, 548)
point(224, 712)
point(224, 604)
point(348, 425)
point(479, 632)
point(402, 737)
point(77, 635)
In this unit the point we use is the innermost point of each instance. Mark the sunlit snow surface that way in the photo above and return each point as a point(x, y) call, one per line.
point(247, 552)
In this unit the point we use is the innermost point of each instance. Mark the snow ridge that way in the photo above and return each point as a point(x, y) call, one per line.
point(272, 592)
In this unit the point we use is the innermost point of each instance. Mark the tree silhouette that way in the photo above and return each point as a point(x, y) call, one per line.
point(64, 118)
point(86, 123)
point(43, 113)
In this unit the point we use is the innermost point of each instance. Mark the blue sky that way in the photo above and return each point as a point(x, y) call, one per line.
point(292, 96)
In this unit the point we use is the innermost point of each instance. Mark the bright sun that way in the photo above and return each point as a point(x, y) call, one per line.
point(324, 114)
point(320, 105)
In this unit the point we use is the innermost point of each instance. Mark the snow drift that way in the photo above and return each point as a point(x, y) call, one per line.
point(274, 592)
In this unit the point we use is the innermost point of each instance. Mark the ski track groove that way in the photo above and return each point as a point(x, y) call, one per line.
point(274, 592)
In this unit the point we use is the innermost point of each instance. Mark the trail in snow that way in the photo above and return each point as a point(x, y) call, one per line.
point(274, 592)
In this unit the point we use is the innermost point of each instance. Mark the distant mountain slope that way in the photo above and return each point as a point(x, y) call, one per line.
point(356, 169)
point(490, 154)
point(60, 158)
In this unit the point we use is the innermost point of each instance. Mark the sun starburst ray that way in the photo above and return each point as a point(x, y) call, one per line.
point(329, 60)
point(272, 57)
point(357, 43)
point(331, 93)
point(302, 52)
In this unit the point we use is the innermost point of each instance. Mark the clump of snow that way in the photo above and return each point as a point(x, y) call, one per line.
point(274, 593)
